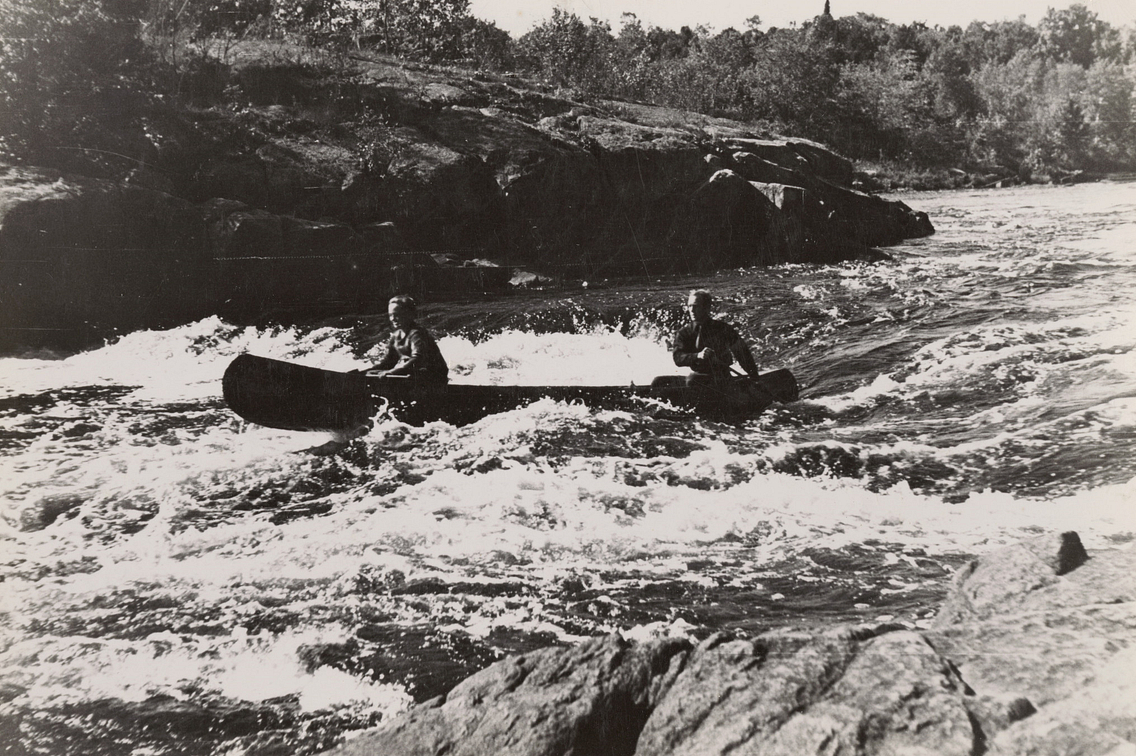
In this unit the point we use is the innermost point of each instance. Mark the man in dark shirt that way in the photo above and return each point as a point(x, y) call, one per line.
point(708, 346)
point(411, 351)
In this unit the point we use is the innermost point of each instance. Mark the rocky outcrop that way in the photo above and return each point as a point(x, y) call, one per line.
point(867, 690)
point(1042, 626)
point(592, 698)
point(85, 258)
point(76, 249)
point(1031, 654)
point(268, 208)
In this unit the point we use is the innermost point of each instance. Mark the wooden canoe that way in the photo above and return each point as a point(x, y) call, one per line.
point(285, 395)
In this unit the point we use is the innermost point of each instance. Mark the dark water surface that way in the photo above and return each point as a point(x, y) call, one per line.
point(175, 582)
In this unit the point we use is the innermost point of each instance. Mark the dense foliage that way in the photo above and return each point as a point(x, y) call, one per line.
point(66, 65)
point(1007, 96)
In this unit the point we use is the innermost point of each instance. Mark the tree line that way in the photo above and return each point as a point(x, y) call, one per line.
point(1032, 99)
point(1009, 97)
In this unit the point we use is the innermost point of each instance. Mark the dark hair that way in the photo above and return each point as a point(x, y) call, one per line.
point(404, 300)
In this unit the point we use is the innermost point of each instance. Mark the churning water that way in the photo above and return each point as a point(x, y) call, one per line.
point(177, 582)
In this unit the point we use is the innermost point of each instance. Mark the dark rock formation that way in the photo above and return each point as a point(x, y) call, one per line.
point(75, 249)
point(1032, 654)
point(264, 210)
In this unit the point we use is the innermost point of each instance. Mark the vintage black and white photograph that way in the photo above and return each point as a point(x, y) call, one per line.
point(567, 378)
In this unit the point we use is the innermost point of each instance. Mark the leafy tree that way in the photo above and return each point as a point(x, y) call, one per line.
point(794, 81)
point(685, 83)
point(66, 68)
point(425, 29)
point(182, 32)
point(1060, 130)
point(486, 44)
point(1127, 45)
point(416, 29)
point(917, 38)
point(722, 60)
point(1073, 35)
point(998, 42)
point(322, 22)
point(200, 19)
point(1002, 136)
point(1110, 104)
point(566, 51)
point(859, 38)
point(1073, 131)
point(949, 74)
point(823, 27)
point(730, 48)
point(886, 101)
point(669, 45)
point(631, 59)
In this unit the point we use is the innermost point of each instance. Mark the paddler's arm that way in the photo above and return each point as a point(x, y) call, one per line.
point(685, 352)
point(408, 364)
point(389, 360)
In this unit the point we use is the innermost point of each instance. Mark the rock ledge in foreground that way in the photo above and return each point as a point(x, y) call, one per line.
point(1033, 653)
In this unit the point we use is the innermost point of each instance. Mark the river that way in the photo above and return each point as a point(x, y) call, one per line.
point(175, 581)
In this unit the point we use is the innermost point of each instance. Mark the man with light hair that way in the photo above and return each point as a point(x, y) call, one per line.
point(411, 350)
point(708, 346)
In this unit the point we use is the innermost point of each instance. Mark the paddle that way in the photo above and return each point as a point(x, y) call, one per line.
point(780, 384)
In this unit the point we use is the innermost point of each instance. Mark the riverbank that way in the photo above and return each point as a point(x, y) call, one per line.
point(290, 190)
point(894, 177)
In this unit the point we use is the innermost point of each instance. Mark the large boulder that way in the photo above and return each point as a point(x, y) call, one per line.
point(1042, 626)
point(589, 700)
point(729, 219)
point(848, 690)
point(1011, 578)
point(830, 210)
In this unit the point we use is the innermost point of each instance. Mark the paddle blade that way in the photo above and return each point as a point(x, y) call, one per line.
point(781, 384)
point(295, 397)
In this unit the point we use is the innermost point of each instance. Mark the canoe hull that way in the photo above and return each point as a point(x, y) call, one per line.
point(295, 397)
point(284, 395)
